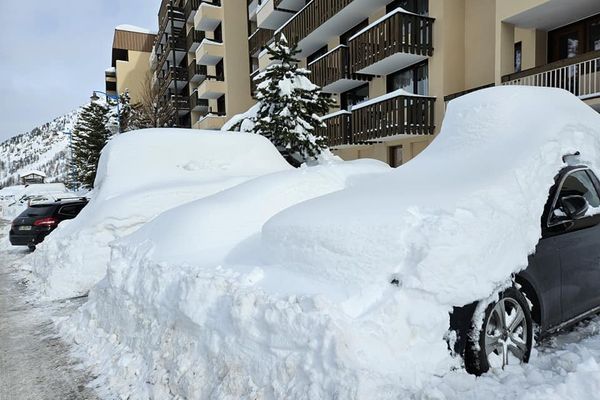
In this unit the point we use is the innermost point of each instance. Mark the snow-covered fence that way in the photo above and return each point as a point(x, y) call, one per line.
point(578, 75)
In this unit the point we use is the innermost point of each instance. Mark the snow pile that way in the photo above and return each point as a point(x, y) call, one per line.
point(165, 283)
point(305, 309)
point(140, 175)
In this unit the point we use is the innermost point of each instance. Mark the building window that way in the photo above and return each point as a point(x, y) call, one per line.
point(322, 51)
point(414, 79)
point(218, 34)
point(353, 31)
point(518, 56)
point(220, 71)
point(354, 96)
point(396, 156)
point(574, 39)
point(221, 105)
point(416, 6)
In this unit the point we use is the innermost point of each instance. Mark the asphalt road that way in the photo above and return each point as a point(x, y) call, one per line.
point(34, 362)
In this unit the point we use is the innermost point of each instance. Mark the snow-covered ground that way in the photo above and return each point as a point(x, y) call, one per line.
point(278, 285)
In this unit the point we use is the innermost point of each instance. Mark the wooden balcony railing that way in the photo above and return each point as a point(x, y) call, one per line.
point(399, 33)
point(332, 67)
point(197, 72)
point(337, 129)
point(173, 43)
point(579, 75)
point(259, 40)
point(407, 115)
point(194, 37)
point(190, 8)
point(311, 17)
point(178, 74)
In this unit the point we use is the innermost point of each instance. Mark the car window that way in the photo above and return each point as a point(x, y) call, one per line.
point(71, 210)
point(579, 183)
point(38, 211)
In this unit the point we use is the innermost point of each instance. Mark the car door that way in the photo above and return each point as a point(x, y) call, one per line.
point(578, 243)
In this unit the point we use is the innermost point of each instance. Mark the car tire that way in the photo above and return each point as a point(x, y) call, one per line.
point(505, 337)
point(31, 247)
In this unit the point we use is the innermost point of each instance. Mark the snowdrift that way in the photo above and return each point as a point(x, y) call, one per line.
point(306, 310)
point(141, 174)
point(14, 199)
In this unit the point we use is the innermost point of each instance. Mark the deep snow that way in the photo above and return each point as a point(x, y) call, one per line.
point(140, 175)
point(305, 309)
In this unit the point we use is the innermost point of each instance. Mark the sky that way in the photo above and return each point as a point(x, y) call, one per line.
point(53, 54)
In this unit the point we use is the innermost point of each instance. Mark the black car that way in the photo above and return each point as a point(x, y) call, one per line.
point(35, 223)
point(560, 286)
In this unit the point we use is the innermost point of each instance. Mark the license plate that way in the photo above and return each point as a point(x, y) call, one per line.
point(24, 228)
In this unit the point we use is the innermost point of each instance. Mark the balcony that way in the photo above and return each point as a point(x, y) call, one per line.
point(198, 105)
point(173, 77)
point(579, 75)
point(393, 115)
point(271, 14)
point(211, 121)
point(197, 73)
point(193, 40)
point(176, 45)
point(258, 40)
point(209, 16)
point(320, 20)
point(190, 8)
point(332, 71)
point(180, 103)
point(396, 41)
point(210, 52)
point(389, 117)
point(170, 18)
point(211, 88)
point(337, 129)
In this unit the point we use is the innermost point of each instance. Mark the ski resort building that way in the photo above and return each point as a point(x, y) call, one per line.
point(390, 65)
point(130, 66)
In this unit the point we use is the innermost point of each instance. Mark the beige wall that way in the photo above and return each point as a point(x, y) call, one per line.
point(132, 74)
point(237, 64)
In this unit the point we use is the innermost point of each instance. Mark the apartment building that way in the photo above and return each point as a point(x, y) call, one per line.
point(391, 65)
point(129, 69)
point(199, 61)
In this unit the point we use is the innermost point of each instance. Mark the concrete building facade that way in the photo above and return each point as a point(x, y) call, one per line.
point(130, 67)
point(390, 65)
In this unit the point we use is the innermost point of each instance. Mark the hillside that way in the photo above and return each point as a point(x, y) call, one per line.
point(45, 148)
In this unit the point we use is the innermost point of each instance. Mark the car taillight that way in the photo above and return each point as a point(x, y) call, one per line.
point(50, 221)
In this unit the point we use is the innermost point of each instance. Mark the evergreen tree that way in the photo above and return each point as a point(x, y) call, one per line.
point(289, 106)
point(90, 134)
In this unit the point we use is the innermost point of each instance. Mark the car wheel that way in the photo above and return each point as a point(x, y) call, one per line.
point(506, 336)
point(31, 248)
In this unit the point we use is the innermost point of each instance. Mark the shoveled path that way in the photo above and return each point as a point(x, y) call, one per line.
point(34, 363)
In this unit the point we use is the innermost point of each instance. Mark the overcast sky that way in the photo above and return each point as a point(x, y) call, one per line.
point(53, 54)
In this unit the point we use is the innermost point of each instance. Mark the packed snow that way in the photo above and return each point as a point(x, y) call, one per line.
point(279, 286)
point(15, 199)
point(140, 175)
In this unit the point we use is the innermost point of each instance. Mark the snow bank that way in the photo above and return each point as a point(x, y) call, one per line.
point(141, 174)
point(305, 310)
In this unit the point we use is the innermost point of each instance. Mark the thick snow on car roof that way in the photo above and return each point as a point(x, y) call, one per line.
point(461, 217)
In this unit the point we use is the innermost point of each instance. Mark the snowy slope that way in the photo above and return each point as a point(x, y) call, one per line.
point(45, 148)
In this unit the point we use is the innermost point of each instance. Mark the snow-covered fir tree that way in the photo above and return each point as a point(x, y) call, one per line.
point(90, 134)
point(289, 106)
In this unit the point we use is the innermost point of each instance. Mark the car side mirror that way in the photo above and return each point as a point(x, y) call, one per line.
point(574, 206)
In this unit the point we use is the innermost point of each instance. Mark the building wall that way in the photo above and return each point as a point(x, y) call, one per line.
point(132, 74)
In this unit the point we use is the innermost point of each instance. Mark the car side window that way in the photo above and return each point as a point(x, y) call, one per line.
point(70, 210)
point(577, 183)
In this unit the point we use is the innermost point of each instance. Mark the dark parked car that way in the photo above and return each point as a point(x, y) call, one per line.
point(560, 286)
point(35, 223)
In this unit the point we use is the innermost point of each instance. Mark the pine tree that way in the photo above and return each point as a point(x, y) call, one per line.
point(90, 134)
point(290, 106)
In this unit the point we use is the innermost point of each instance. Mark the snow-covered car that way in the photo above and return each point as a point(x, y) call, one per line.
point(560, 286)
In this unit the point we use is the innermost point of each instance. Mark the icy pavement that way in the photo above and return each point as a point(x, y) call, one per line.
point(34, 362)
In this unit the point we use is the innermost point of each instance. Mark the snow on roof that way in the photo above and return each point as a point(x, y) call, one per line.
point(33, 172)
point(110, 69)
point(391, 95)
point(335, 114)
point(136, 29)
point(398, 10)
